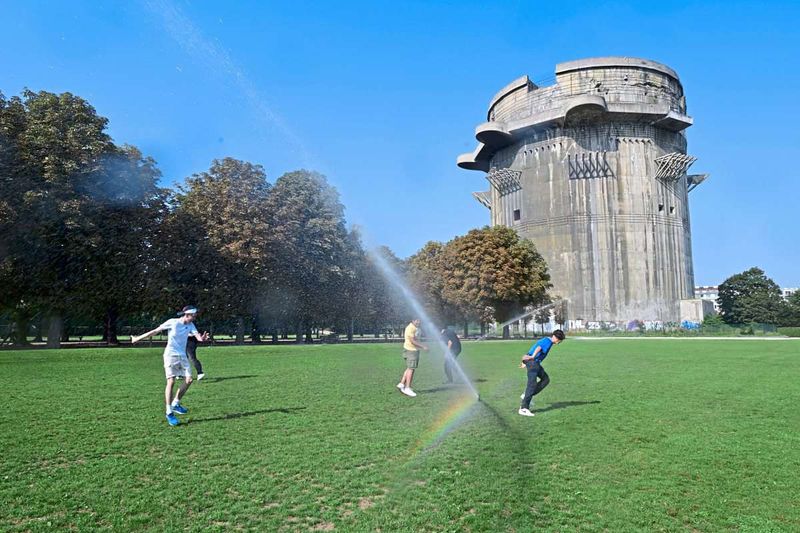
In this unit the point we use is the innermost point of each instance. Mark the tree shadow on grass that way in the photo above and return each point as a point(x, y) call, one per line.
point(224, 378)
point(562, 405)
point(232, 416)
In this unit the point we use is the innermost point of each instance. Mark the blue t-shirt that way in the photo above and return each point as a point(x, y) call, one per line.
point(545, 345)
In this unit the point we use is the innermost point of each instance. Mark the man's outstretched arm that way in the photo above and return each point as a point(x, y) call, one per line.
point(135, 339)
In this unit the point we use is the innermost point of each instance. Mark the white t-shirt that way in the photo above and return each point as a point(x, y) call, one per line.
point(177, 336)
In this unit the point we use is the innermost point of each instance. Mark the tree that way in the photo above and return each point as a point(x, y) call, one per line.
point(750, 297)
point(311, 246)
point(542, 317)
point(53, 143)
point(218, 244)
point(560, 313)
point(425, 272)
point(491, 273)
point(790, 314)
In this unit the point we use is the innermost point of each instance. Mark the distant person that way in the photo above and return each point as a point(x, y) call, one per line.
point(453, 350)
point(176, 363)
point(532, 361)
point(191, 351)
point(411, 348)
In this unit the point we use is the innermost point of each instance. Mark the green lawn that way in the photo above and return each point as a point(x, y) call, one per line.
point(631, 435)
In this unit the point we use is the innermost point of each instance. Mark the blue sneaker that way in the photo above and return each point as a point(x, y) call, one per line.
point(173, 420)
point(181, 410)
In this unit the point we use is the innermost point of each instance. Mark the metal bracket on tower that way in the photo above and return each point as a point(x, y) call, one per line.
point(484, 197)
point(672, 166)
point(693, 180)
point(505, 180)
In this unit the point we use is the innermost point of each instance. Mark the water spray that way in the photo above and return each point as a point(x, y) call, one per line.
point(394, 278)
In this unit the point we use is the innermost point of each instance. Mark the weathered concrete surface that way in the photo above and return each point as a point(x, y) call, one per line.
point(573, 167)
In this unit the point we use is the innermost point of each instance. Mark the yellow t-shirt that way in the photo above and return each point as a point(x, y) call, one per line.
point(410, 333)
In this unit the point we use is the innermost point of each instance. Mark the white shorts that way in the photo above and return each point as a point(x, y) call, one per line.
point(177, 367)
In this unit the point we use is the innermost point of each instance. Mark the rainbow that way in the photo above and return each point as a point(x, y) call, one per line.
point(445, 422)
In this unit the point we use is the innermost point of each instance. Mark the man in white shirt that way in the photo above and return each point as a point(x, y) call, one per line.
point(176, 363)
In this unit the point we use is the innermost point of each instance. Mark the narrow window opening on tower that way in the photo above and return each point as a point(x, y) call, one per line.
point(671, 209)
point(660, 207)
point(517, 215)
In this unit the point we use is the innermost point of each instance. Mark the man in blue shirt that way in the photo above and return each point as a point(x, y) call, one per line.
point(533, 362)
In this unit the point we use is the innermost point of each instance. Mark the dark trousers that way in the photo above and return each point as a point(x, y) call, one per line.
point(191, 351)
point(535, 372)
point(448, 365)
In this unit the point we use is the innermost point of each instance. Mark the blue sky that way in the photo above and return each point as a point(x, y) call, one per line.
point(382, 97)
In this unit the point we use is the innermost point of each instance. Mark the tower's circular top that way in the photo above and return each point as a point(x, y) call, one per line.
point(614, 61)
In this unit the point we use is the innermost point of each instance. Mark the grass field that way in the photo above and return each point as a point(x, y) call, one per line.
point(631, 435)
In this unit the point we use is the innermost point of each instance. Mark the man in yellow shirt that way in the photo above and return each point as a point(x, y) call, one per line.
point(411, 348)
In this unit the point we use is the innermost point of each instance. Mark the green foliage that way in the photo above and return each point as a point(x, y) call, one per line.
point(790, 332)
point(493, 269)
point(790, 315)
point(750, 297)
point(672, 435)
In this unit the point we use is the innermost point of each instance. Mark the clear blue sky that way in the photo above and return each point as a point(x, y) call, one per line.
point(382, 97)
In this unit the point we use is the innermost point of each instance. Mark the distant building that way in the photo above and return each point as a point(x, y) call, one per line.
point(788, 291)
point(708, 292)
point(594, 170)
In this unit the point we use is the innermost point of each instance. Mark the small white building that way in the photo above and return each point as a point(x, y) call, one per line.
point(788, 291)
point(709, 293)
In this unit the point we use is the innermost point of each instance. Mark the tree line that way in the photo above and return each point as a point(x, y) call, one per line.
point(88, 235)
point(752, 297)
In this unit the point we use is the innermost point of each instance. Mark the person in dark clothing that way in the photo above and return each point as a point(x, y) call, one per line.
point(191, 351)
point(453, 350)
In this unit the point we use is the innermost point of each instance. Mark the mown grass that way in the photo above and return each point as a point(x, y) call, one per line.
point(631, 435)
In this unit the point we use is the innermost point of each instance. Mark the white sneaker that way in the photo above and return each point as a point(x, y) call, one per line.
point(521, 396)
point(408, 392)
point(525, 412)
point(200, 376)
point(401, 386)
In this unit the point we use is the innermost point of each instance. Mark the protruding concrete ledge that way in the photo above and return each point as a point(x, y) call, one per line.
point(493, 134)
point(674, 121)
point(614, 61)
point(469, 161)
point(584, 102)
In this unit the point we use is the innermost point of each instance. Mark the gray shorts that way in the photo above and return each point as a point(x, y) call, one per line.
point(411, 357)
point(177, 367)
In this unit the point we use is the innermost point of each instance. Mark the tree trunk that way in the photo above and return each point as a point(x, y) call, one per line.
point(350, 330)
point(506, 332)
point(309, 336)
point(20, 333)
point(110, 329)
point(255, 335)
point(298, 333)
point(466, 329)
point(38, 337)
point(274, 335)
point(55, 325)
point(483, 329)
point(240, 330)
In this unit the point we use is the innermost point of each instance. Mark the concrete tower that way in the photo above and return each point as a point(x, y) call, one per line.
point(593, 170)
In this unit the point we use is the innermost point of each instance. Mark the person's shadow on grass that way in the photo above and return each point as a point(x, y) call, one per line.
point(232, 416)
point(563, 405)
point(224, 378)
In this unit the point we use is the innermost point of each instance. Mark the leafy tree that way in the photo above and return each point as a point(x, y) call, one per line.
point(790, 313)
point(126, 209)
point(750, 297)
point(52, 145)
point(491, 274)
point(311, 245)
point(542, 317)
point(425, 271)
point(218, 250)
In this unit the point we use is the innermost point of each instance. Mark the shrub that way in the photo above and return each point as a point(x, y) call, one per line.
point(789, 332)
